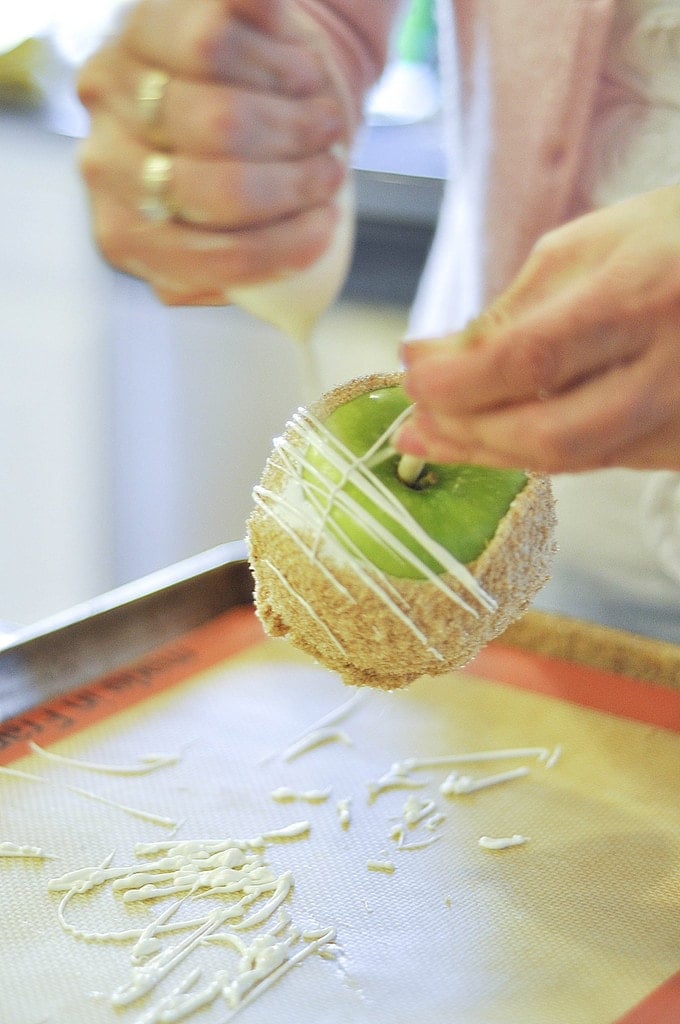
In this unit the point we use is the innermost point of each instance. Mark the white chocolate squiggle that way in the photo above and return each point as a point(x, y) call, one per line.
point(317, 738)
point(343, 808)
point(284, 794)
point(386, 867)
point(22, 851)
point(147, 764)
point(234, 892)
point(457, 785)
point(135, 812)
point(501, 842)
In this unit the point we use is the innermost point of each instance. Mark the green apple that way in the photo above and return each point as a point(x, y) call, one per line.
point(458, 506)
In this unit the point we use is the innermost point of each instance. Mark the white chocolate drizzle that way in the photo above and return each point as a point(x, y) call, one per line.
point(298, 830)
point(421, 812)
point(552, 759)
point(343, 808)
point(316, 738)
point(333, 717)
point(502, 842)
point(148, 763)
point(235, 891)
point(222, 891)
point(135, 812)
point(357, 470)
point(420, 844)
point(416, 810)
point(307, 607)
point(8, 849)
point(396, 777)
point(386, 867)
point(411, 764)
point(284, 794)
point(457, 785)
point(304, 509)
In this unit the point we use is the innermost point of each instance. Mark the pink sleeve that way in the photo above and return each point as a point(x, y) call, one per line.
point(358, 32)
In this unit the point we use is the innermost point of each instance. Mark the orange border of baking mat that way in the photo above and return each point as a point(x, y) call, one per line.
point(662, 1006)
point(594, 688)
point(239, 629)
point(198, 649)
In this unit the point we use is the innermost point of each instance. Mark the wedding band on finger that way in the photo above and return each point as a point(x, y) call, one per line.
point(156, 205)
point(150, 97)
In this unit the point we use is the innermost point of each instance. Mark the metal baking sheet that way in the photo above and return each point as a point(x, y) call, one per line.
point(65, 650)
point(578, 924)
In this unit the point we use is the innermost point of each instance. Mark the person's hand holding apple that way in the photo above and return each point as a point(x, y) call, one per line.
point(577, 365)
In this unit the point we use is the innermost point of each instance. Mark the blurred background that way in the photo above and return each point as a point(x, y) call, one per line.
point(131, 435)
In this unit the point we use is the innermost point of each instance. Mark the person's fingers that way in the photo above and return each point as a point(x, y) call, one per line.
point(517, 367)
point(576, 366)
point(220, 193)
point(219, 260)
point(602, 420)
point(212, 40)
point(584, 300)
point(659, 449)
point(211, 119)
point(431, 441)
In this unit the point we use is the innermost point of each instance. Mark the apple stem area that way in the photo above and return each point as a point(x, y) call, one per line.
point(409, 469)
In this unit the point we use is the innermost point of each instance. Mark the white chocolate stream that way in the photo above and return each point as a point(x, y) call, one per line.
point(294, 303)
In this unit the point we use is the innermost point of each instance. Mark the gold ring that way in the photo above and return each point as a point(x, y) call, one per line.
point(150, 96)
point(155, 204)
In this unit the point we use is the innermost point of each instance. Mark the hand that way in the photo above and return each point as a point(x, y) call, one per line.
point(576, 366)
point(248, 116)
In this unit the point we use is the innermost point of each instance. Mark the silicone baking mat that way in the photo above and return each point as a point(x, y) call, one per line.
point(360, 816)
